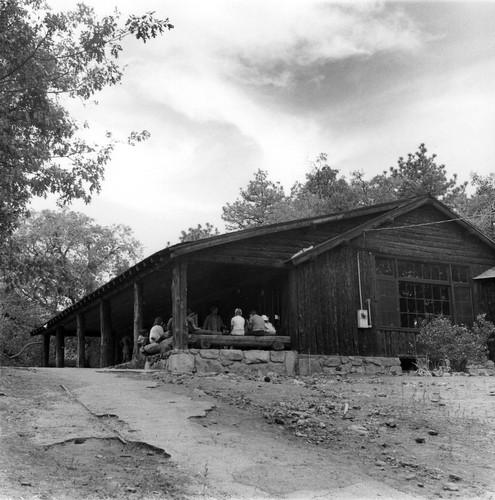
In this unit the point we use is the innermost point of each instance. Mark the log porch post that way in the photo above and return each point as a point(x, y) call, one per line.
point(106, 349)
point(45, 350)
point(138, 314)
point(179, 303)
point(81, 347)
point(293, 313)
point(60, 347)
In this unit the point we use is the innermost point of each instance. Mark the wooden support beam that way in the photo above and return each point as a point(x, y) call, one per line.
point(138, 314)
point(60, 348)
point(106, 347)
point(276, 342)
point(293, 313)
point(45, 352)
point(81, 344)
point(179, 303)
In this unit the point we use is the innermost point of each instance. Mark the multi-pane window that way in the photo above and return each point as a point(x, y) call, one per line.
point(408, 291)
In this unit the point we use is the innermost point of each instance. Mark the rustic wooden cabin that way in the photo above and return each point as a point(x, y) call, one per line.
point(357, 282)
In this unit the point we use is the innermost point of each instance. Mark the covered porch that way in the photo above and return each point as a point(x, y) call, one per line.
point(167, 287)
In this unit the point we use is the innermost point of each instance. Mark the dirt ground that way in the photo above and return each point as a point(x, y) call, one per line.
point(74, 434)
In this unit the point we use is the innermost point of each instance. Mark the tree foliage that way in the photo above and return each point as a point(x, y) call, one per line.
point(419, 174)
point(326, 191)
point(44, 58)
point(480, 207)
point(458, 344)
point(256, 203)
point(55, 258)
point(199, 233)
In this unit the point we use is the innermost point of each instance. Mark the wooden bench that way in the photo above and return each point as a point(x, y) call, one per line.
point(266, 342)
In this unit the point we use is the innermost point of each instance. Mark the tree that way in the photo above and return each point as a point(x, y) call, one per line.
point(55, 258)
point(256, 204)
point(480, 207)
point(199, 233)
point(419, 174)
point(323, 192)
point(45, 56)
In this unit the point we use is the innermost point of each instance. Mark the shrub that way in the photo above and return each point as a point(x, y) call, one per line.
point(441, 341)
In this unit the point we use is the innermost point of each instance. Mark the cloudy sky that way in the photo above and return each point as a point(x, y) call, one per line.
point(242, 85)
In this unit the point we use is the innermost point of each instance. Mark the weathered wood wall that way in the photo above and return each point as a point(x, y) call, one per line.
point(323, 296)
point(427, 237)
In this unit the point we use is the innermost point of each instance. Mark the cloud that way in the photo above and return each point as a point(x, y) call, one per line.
point(242, 85)
point(272, 43)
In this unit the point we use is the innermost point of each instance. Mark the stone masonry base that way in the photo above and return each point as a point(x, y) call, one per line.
point(311, 365)
point(288, 363)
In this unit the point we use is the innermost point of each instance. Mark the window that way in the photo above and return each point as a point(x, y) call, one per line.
point(408, 291)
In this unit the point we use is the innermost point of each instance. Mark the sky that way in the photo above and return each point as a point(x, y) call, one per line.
point(242, 85)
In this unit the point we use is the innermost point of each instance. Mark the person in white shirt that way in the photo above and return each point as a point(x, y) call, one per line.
point(237, 323)
point(157, 334)
point(269, 328)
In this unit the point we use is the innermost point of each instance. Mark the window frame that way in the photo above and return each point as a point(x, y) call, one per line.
point(461, 304)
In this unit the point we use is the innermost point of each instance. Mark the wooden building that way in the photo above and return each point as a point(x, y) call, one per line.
point(351, 283)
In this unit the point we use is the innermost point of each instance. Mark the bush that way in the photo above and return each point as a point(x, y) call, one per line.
point(460, 345)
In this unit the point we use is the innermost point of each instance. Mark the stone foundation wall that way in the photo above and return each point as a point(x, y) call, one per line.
point(281, 362)
point(225, 360)
point(312, 365)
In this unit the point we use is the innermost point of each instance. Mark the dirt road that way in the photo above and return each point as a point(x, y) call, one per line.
point(68, 433)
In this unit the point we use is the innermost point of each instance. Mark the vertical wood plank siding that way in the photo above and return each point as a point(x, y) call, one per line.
point(326, 300)
point(325, 290)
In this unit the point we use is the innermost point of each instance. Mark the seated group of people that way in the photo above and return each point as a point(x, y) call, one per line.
point(255, 325)
point(161, 335)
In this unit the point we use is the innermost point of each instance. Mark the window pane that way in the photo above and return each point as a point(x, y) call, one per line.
point(446, 308)
point(388, 303)
point(384, 267)
point(418, 270)
point(423, 271)
point(421, 299)
point(406, 269)
point(435, 272)
point(429, 307)
point(443, 273)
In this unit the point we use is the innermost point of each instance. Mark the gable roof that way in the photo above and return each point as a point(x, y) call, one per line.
point(389, 216)
point(253, 232)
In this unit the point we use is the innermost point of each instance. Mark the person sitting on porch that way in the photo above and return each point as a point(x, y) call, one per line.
point(157, 334)
point(269, 328)
point(191, 324)
point(213, 321)
point(160, 341)
point(238, 323)
point(256, 325)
